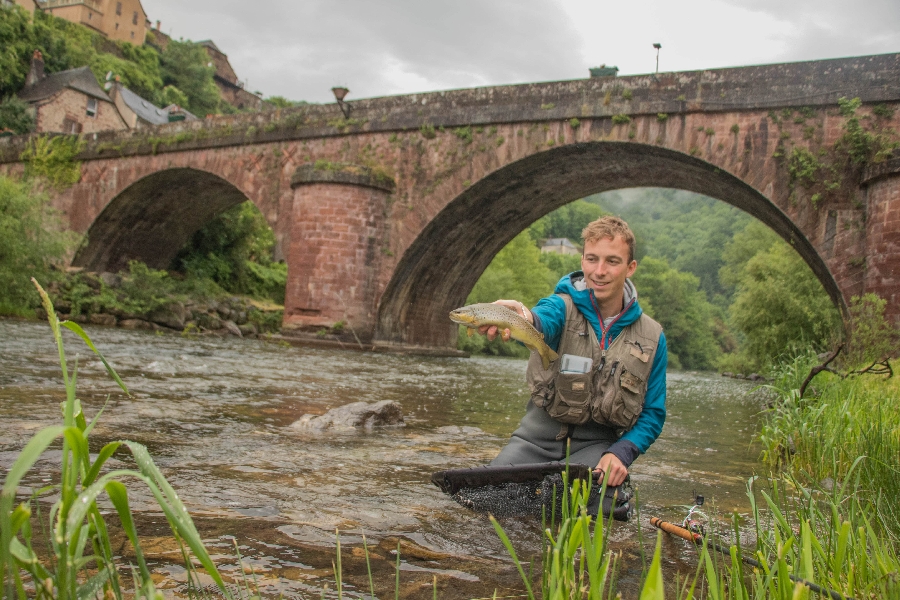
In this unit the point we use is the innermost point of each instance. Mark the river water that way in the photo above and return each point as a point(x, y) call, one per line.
point(215, 414)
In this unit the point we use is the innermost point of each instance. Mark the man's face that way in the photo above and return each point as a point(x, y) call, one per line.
point(606, 267)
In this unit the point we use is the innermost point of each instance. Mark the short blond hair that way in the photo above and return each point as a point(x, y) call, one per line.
point(609, 227)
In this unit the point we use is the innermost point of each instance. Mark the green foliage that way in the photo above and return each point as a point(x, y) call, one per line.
point(16, 40)
point(184, 65)
point(687, 230)
point(803, 166)
point(428, 131)
point(566, 222)
point(574, 123)
point(675, 300)
point(76, 533)
point(861, 145)
point(464, 133)
point(626, 94)
point(662, 117)
point(561, 264)
point(870, 335)
point(780, 306)
point(31, 243)
point(172, 95)
point(282, 102)
point(883, 110)
point(621, 119)
point(235, 251)
point(53, 158)
point(735, 129)
point(755, 238)
point(15, 116)
point(137, 68)
point(516, 273)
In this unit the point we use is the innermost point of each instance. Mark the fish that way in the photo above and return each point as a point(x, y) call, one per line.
point(474, 316)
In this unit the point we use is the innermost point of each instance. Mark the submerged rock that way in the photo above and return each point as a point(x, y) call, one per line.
point(356, 414)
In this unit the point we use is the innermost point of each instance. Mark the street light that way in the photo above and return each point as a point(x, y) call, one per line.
point(657, 46)
point(339, 94)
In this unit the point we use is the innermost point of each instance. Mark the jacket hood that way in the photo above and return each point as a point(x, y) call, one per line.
point(573, 285)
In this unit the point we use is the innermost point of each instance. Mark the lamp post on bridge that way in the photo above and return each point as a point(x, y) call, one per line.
point(339, 94)
point(657, 46)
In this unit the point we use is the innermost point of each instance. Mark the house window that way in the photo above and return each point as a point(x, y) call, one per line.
point(134, 18)
point(119, 8)
point(117, 26)
point(132, 35)
point(92, 107)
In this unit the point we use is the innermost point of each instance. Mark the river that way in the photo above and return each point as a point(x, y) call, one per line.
point(215, 414)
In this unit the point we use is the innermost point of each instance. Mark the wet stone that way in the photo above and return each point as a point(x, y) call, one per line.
point(355, 414)
point(103, 319)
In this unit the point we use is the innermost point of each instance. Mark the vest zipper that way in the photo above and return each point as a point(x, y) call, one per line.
point(604, 343)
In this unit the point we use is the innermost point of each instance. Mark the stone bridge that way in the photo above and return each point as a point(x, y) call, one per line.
point(387, 218)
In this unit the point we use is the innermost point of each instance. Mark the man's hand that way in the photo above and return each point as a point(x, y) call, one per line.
point(617, 471)
point(491, 331)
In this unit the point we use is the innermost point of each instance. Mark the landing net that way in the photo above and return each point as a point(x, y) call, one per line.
point(527, 490)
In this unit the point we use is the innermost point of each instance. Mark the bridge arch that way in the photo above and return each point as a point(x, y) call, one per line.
point(444, 262)
point(154, 217)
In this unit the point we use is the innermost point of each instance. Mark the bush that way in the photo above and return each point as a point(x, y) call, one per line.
point(14, 115)
point(870, 335)
point(31, 244)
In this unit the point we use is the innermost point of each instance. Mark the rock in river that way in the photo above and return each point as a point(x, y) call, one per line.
point(356, 414)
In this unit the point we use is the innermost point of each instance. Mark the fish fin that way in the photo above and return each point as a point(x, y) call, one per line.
point(469, 332)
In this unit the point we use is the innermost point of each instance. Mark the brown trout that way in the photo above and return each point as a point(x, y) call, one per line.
point(474, 316)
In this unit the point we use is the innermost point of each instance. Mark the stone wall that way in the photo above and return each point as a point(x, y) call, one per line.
point(70, 106)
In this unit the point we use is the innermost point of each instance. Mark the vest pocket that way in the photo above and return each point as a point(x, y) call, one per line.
point(621, 399)
point(571, 403)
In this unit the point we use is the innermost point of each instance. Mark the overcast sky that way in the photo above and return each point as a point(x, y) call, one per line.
point(300, 49)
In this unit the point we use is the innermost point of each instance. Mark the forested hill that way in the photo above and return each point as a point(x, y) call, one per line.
point(729, 293)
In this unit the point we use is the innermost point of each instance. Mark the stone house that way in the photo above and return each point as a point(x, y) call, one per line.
point(29, 5)
point(230, 87)
point(122, 20)
point(69, 101)
point(560, 246)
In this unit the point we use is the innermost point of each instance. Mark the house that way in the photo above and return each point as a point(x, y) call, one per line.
point(29, 5)
point(122, 20)
point(230, 87)
point(69, 101)
point(138, 112)
point(560, 246)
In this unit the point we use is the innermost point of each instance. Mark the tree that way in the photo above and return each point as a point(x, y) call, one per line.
point(781, 307)
point(186, 65)
point(675, 300)
point(515, 273)
point(17, 44)
point(14, 116)
point(235, 251)
point(566, 221)
point(31, 241)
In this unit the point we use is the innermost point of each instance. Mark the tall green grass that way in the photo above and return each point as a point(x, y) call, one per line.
point(843, 426)
point(79, 561)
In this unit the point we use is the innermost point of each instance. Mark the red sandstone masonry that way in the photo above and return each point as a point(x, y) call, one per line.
point(324, 230)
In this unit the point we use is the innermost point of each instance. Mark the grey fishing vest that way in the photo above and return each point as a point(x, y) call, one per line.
point(612, 393)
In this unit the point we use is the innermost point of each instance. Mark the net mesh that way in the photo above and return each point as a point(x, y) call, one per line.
point(527, 490)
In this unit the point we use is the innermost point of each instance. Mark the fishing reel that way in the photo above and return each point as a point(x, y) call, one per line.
point(692, 521)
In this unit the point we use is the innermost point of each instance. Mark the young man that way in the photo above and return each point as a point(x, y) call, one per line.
point(612, 407)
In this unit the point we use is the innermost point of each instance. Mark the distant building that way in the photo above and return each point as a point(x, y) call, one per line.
point(560, 246)
point(69, 101)
point(123, 20)
point(230, 87)
point(138, 112)
point(29, 5)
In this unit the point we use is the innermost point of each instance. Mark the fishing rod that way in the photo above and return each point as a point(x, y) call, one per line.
point(698, 540)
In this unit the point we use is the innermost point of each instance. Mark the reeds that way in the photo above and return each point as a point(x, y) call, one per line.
point(79, 561)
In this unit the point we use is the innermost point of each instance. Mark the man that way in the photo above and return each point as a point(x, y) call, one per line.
point(614, 410)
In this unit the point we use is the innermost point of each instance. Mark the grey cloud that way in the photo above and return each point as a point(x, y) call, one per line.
point(301, 49)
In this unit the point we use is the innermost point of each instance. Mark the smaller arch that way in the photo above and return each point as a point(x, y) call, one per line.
point(152, 219)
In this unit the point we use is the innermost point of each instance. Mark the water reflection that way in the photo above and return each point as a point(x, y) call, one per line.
point(215, 414)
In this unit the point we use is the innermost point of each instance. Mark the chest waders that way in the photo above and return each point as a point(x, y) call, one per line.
point(612, 392)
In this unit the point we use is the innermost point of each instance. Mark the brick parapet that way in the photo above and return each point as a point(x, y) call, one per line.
point(814, 84)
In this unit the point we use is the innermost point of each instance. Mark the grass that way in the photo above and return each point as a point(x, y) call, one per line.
point(80, 561)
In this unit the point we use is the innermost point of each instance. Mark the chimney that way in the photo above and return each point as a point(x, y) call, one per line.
point(158, 25)
point(37, 69)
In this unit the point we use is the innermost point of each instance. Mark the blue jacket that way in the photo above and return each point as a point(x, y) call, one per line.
point(550, 317)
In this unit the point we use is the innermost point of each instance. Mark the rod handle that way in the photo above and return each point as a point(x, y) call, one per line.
point(676, 530)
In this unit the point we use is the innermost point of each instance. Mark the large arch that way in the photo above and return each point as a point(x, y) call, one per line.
point(445, 261)
point(153, 218)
